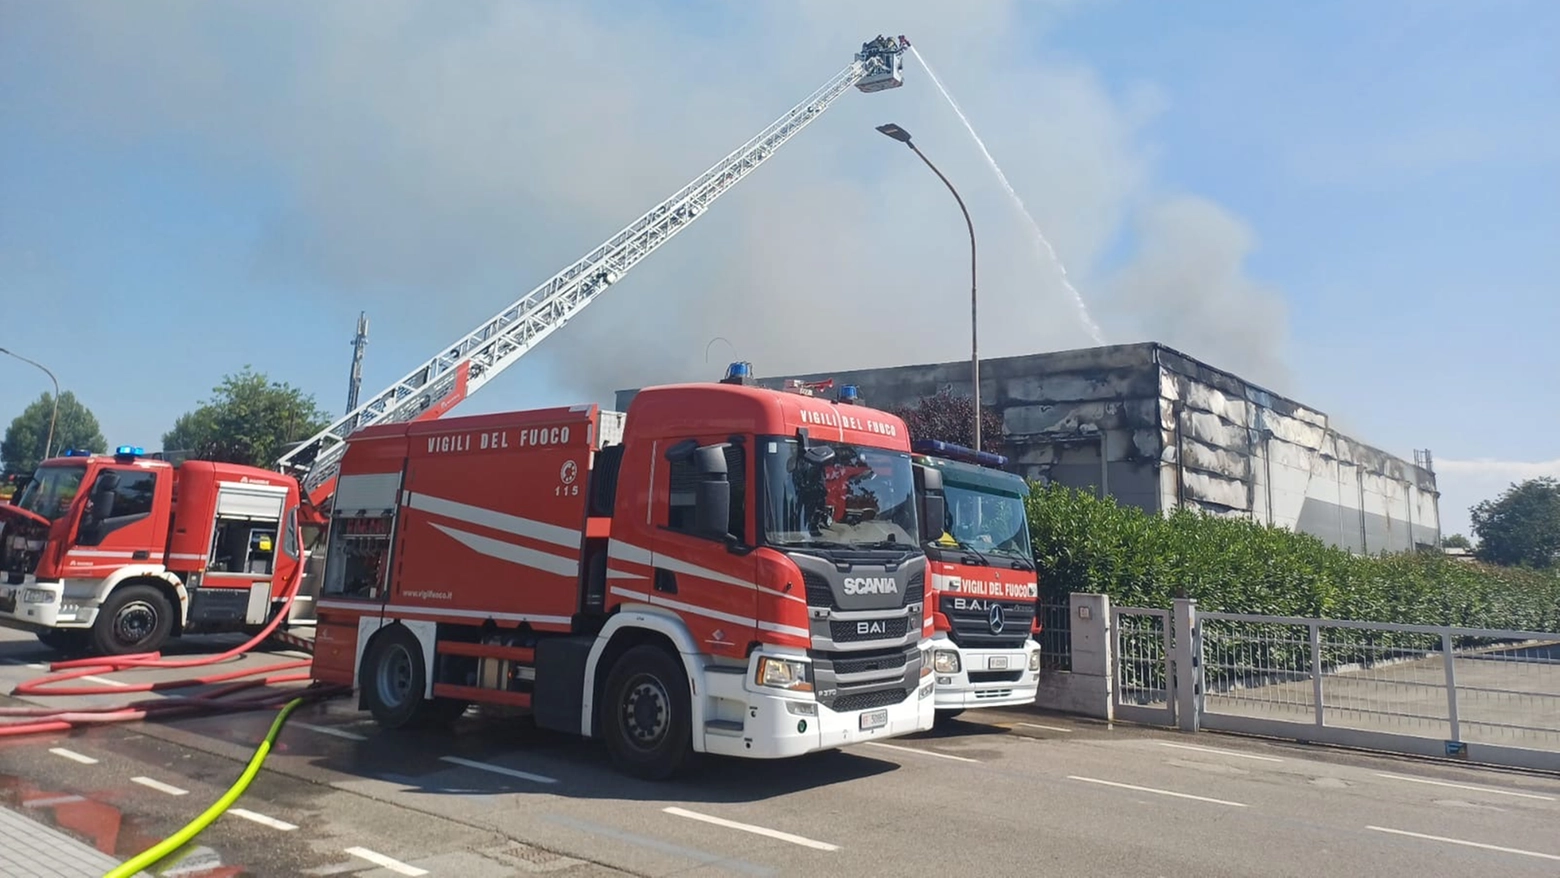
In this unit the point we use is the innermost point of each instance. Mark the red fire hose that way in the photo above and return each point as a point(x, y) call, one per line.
point(43, 719)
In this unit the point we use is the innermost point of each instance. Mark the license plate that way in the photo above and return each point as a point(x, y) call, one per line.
point(874, 719)
point(997, 663)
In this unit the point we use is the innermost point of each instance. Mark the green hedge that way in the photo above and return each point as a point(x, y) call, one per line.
point(1084, 544)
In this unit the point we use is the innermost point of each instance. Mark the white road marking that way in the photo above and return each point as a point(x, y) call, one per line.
point(1039, 726)
point(104, 681)
point(72, 754)
point(756, 830)
point(327, 730)
point(1463, 786)
point(52, 800)
point(1220, 752)
point(499, 769)
point(379, 859)
point(1471, 844)
point(920, 752)
point(1127, 786)
point(159, 786)
point(262, 819)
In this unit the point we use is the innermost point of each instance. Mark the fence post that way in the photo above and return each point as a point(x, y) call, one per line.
point(1315, 635)
point(1187, 664)
point(1093, 645)
point(1451, 683)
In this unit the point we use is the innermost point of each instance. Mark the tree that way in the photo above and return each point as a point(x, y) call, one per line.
point(74, 427)
point(947, 418)
point(1521, 527)
point(1456, 541)
point(247, 420)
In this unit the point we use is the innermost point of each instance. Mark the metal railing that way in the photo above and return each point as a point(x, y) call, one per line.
point(1358, 681)
point(1143, 684)
point(1055, 637)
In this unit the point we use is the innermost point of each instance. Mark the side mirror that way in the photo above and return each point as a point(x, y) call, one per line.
point(712, 504)
point(933, 511)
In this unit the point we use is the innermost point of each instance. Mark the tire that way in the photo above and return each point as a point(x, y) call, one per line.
point(69, 641)
point(647, 714)
point(393, 679)
point(135, 618)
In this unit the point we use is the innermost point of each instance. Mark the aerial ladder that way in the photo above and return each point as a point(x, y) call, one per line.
point(462, 368)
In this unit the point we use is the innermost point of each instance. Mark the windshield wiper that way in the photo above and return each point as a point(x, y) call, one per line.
point(964, 545)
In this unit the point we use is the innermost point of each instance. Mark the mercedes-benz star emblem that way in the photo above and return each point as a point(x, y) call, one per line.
point(995, 619)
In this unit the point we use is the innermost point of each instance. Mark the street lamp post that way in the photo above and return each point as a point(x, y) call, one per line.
point(903, 136)
point(48, 443)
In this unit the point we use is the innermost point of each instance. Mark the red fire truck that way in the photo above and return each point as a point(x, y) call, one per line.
point(984, 587)
point(721, 569)
point(119, 552)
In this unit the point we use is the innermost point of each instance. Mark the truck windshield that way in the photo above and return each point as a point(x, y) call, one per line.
point(988, 522)
point(51, 491)
point(864, 498)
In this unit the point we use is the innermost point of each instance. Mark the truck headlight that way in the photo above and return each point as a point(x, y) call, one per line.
point(1034, 660)
point(946, 661)
point(782, 673)
point(37, 596)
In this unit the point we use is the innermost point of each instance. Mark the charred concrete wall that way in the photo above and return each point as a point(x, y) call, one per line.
point(1158, 429)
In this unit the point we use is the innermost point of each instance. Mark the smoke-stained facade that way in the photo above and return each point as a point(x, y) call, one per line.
point(1177, 432)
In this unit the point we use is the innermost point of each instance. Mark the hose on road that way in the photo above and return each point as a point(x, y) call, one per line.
point(173, 842)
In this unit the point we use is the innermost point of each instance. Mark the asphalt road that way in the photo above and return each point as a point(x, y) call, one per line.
point(1006, 793)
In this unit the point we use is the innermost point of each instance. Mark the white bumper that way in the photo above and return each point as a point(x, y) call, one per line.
point(759, 723)
point(35, 606)
point(1018, 684)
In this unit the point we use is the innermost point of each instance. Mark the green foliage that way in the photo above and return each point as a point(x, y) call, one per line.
point(1085, 544)
point(248, 420)
point(74, 427)
point(1456, 541)
point(1521, 527)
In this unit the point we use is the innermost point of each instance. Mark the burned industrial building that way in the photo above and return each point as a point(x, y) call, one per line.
point(1158, 429)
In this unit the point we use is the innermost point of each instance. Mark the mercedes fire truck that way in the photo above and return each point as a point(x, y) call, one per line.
point(984, 589)
point(721, 569)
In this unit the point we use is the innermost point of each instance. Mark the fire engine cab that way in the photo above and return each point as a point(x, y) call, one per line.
point(117, 553)
point(723, 569)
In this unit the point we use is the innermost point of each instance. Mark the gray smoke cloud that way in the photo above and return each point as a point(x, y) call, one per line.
point(431, 162)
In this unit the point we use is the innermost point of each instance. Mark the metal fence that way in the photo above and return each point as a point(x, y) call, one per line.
point(1055, 637)
point(1412, 688)
point(1143, 685)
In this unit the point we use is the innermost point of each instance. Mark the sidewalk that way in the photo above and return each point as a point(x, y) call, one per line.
point(33, 849)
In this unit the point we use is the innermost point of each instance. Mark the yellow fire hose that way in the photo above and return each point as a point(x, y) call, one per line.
point(174, 842)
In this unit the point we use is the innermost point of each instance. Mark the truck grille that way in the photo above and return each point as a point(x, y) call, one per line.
point(820, 595)
point(972, 628)
point(869, 700)
point(887, 660)
point(843, 631)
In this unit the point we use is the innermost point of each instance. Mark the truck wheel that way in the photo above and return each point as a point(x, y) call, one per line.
point(135, 618)
point(648, 712)
point(393, 680)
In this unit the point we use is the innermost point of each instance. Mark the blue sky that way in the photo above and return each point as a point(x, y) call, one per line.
point(1354, 203)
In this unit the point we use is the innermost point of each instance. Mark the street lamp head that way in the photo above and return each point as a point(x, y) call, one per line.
point(895, 132)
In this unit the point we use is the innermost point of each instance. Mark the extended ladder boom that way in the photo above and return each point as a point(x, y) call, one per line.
point(460, 369)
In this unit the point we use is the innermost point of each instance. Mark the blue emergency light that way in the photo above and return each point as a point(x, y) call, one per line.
point(129, 451)
point(77, 452)
point(739, 370)
point(959, 452)
point(850, 393)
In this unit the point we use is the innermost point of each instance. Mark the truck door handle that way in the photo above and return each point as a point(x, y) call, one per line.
point(665, 580)
point(140, 555)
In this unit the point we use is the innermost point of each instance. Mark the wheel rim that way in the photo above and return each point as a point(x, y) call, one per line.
point(135, 622)
point(646, 712)
point(394, 678)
